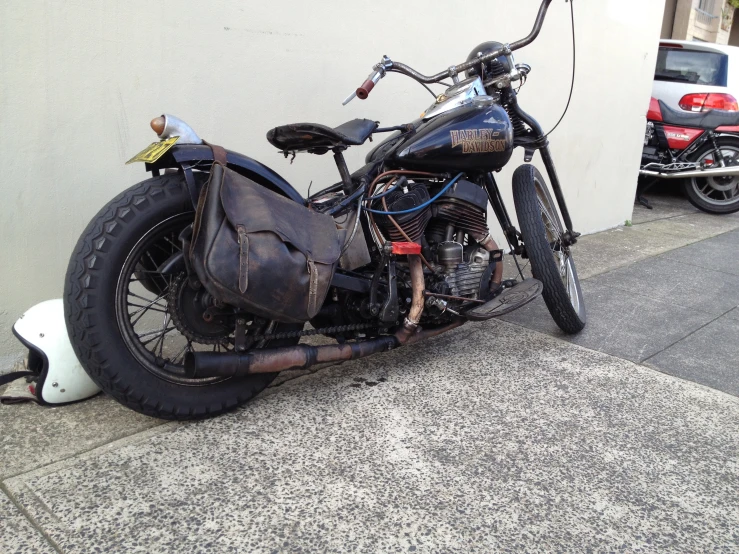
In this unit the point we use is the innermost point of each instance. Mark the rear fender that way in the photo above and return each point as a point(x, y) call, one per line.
point(199, 157)
point(655, 112)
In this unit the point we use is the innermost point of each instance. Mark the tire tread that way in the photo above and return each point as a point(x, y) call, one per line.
point(539, 252)
point(88, 257)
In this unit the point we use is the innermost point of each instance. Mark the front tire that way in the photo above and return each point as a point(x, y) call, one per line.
point(105, 313)
point(715, 195)
point(551, 263)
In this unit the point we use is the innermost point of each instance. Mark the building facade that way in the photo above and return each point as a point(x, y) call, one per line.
point(701, 21)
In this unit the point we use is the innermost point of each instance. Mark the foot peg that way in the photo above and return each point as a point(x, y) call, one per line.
point(507, 301)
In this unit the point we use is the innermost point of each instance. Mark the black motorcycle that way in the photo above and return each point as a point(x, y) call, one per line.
point(189, 291)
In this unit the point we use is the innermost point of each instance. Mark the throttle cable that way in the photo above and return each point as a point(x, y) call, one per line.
point(572, 83)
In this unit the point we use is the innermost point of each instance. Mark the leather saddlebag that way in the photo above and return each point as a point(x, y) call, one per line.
point(260, 251)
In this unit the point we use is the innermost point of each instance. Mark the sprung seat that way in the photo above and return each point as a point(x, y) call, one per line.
point(701, 120)
point(319, 139)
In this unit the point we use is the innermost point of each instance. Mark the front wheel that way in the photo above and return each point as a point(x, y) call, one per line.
point(132, 314)
point(715, 195)
point(551, 261)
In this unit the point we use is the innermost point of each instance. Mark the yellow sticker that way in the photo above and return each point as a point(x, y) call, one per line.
point(154, 151)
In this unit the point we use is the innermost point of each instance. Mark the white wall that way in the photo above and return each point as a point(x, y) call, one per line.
point(80, 80)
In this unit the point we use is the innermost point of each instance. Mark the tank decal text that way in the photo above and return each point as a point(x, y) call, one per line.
point(475, 141)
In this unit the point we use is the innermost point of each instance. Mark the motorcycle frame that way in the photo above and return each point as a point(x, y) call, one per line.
point(189, 158)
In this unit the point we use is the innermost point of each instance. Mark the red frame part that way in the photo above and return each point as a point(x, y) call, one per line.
point(679, 138)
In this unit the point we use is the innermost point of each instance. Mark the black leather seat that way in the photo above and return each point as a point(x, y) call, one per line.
point(319, 139)
point(701, 120)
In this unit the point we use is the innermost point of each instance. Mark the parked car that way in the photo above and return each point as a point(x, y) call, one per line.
point(692, 133)
point(697, 76)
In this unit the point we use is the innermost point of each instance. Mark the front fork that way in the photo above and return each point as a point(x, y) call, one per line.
point(535, 139)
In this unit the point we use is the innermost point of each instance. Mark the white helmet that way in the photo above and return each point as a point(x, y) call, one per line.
point(61, 378)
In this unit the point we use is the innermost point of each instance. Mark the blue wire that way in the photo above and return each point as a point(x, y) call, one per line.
point(401, 212)
point(388, 191)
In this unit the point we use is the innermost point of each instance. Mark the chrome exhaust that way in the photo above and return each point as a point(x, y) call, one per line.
point(713, 172)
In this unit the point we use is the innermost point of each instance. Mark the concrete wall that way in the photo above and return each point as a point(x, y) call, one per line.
point(79, 82)
point(684, 16)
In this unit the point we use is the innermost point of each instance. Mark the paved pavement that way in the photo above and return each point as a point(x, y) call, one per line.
point(498, 436)
point(675, 310)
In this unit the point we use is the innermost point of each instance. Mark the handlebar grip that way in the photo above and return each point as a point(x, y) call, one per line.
point(365, 89)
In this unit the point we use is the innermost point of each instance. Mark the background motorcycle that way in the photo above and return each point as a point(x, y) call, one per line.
point(698, 149)
point(156, 340)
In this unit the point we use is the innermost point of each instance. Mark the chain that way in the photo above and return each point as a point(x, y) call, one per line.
point(311, 332)
point(179, 321)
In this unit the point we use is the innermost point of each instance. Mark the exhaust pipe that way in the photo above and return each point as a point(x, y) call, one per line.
point(236, 364)
point(713, 172)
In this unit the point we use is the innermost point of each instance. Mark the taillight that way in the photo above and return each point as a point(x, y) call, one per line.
point(709, 101)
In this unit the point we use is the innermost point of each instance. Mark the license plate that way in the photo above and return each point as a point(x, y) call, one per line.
point(154, 151)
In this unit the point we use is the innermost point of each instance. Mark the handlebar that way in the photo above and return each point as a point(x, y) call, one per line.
point(388, 65)
point(365, 89)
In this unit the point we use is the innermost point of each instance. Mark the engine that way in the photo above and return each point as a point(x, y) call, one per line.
point(453, 232)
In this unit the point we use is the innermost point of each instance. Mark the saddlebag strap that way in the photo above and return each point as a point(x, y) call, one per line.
point(313, 287)
point(219, 153)
point(243, 259)
point(10, 377)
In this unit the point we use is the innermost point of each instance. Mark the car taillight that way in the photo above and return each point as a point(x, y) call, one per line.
point(706, 102)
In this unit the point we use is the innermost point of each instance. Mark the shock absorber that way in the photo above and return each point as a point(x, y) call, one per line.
point(519, 128)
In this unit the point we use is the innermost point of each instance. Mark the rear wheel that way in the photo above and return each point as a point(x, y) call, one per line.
point(551, 261)
point(716, 195)
point(132, 319)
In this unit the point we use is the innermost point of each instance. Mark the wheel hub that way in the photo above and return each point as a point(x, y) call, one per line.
point(193, 312)
point(722, 183)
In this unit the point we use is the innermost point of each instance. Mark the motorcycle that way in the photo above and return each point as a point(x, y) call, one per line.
point(189, 292)
point(701, 149)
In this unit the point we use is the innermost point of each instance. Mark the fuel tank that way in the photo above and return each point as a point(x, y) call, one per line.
point(476, 137)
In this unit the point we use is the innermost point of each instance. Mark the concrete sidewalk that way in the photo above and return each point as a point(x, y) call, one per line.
point(667, 299)
point(492, 437)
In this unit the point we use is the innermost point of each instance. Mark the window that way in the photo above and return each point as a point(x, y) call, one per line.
point(706, 6)
point(692, 66)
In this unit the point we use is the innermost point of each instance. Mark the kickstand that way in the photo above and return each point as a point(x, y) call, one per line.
point(644, 202)
point(640, 194)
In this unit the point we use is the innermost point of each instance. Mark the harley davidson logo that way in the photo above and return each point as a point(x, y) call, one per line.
point(476, 141)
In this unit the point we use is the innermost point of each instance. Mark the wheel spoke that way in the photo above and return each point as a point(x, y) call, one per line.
point(155, 308)
point(161, 333)
point(142, 311)
point(142, 297)
point(176, 248)
point(161, 338)
point(166, 251)
point(176, 357)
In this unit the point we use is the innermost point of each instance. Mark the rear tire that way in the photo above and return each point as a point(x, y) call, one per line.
point(551, 263)
point(102, 340)
point(718, 195)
